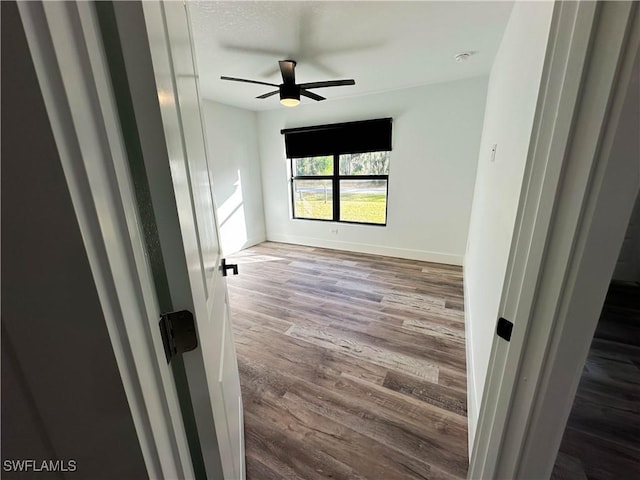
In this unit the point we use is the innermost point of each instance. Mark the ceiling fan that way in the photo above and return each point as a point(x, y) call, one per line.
point(289, 90)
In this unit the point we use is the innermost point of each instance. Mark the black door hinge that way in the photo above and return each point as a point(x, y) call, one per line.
point(178, 332)
point(504, 329)
point(226, 266)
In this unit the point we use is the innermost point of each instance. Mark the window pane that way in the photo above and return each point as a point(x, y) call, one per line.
point(363, 201)
point(312, 166)
point(370, 163)
point(313, 199)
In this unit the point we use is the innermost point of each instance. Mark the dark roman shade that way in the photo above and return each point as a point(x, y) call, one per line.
point(336, 138)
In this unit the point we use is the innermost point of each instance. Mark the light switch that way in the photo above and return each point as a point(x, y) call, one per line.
point(493, 152)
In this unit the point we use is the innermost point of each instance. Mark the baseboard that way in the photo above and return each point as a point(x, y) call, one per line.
point(407, 253)
point(473, 405)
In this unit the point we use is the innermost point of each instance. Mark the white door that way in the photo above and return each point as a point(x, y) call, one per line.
point(211, 369)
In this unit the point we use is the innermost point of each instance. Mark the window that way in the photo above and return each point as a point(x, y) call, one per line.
point(336, 182)
point(345, 188)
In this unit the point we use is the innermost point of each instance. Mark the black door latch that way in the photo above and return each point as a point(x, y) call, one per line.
point(178, 331)
point(505, 327)
point(224, 267)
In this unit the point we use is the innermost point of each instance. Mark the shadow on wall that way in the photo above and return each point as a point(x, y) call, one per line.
point(231, 219)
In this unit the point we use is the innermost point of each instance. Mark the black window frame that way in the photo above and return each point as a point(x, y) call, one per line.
point(335, 178)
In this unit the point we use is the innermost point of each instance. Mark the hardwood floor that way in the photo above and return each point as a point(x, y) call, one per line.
point(352, 366)
point(602, 438)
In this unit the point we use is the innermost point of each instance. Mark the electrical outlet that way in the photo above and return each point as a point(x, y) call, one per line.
point(334, 231)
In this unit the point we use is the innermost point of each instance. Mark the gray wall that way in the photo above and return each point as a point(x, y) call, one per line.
point(628, 264)
point(627, 145)
point(62, 396)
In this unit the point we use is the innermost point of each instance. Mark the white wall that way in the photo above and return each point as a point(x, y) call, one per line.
point(436, 134)
point(235, 169)
point(508, 121)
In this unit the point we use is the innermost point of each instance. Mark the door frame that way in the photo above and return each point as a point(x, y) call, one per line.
point(66, 48)
point(565, 241)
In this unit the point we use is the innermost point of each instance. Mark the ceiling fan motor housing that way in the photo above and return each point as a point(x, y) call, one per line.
point(289, 90)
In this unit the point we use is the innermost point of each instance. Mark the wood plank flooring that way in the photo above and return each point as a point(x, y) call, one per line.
point(352, 366)
point(602, 438)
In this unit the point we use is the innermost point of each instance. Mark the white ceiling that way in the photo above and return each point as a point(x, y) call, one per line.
point(382, 45)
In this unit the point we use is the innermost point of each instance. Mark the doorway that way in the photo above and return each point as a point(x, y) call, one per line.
point(601, 437)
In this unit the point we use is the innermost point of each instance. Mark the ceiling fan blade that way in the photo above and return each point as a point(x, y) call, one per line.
point(287, 68)
point(267, 95)
point(248, 81)
point(303, 92)
point(328, 83)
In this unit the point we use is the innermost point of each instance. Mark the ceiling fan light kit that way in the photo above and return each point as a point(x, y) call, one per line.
point(289, 90)
point(290, 102)
point(289, 95)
